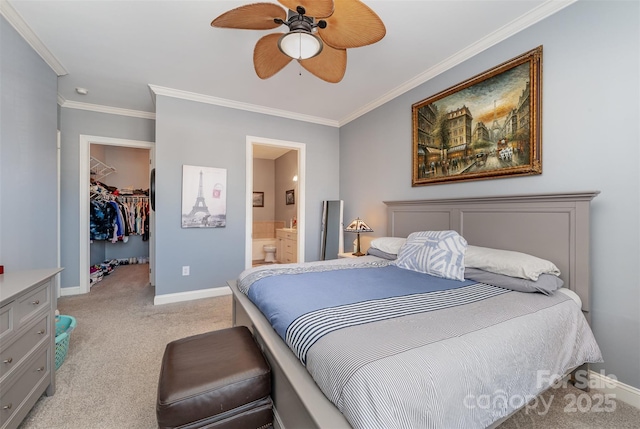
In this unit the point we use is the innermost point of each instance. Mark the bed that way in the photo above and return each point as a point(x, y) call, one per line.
point(464, 348)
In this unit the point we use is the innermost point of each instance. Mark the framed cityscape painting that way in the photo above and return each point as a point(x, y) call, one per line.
point(204, 197)
point(483, 128)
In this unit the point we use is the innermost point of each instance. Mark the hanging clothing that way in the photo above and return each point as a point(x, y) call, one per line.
point(102, 220)
point(115, 217)
point(145, 220)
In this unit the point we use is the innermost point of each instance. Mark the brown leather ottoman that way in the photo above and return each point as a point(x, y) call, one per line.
point(219, 379)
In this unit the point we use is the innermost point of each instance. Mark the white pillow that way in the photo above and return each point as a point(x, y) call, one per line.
point(509, 263)
point(439, 253)
point(388, 244)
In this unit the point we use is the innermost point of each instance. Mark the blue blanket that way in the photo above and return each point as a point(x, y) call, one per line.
point(284, 298)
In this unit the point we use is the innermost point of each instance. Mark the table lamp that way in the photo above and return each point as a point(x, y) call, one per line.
point(358, 225)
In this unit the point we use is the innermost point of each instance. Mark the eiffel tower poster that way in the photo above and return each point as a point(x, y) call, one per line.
point(204, 197)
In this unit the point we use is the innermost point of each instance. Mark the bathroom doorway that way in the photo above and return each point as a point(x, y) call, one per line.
point(275, 201)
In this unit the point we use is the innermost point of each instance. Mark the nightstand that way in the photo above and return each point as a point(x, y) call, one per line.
point(347, 255)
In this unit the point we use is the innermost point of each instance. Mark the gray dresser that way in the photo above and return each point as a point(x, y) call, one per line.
point(27, 341)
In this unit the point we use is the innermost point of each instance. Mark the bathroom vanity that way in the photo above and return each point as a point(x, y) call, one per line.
point(287, 243)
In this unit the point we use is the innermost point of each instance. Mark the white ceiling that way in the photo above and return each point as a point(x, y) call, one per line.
point(118, 48)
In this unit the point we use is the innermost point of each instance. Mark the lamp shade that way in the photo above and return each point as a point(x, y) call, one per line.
point(300, 44)
point(358, 225)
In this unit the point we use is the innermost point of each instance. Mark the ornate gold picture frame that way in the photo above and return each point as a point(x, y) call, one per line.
point(484, 128)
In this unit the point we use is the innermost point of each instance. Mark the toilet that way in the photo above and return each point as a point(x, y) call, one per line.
point(269, 253)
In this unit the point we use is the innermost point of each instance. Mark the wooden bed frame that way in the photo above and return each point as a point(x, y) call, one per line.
point(551, 226)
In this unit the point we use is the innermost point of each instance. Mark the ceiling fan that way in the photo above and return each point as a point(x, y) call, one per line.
point(320, 32)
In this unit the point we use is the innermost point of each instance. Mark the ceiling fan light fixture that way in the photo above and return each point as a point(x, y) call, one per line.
point(300, 44)
point(319, 34)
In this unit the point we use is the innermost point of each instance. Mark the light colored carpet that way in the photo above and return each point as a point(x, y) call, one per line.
point(110, 376)
point(109, 379)
point(571, 408)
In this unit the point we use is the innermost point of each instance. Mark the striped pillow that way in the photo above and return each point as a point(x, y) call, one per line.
point(438, 253)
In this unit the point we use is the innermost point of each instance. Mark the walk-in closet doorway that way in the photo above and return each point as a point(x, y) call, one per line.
point(100, 155)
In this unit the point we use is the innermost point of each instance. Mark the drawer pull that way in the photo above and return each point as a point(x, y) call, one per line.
point(41, 331)
point(7, 407)
point(8, 360)
point(36, 302)
point(40, 369)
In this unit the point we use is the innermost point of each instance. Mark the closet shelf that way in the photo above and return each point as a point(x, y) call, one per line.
point(99, 170)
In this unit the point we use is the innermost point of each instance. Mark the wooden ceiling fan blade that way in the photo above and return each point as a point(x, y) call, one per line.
point(353, 24)
point(329, 65)
point(267, 58)
point(314, 8)
point(256, 16)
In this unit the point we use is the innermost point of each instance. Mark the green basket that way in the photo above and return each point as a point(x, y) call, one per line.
point(64, 326)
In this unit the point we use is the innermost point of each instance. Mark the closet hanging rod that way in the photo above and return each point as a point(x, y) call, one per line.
point(133, 197)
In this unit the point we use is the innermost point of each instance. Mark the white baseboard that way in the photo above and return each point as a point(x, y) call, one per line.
point(191, 295)
point(623, 392)
point(66, 291)
point(166, 298)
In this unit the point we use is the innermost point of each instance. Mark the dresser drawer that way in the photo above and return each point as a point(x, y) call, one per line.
point(12, 397)
point(6, 321)
point(27, 337)
point(13, 355)
point(29, 304)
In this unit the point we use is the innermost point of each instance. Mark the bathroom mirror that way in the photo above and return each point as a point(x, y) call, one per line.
point(331, 240)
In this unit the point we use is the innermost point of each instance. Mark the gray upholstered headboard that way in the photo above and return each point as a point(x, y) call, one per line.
point(550, 226)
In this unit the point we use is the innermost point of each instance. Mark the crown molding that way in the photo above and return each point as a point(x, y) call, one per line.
point(19, 24)
point(207, 99)
point(104, 109)
point(535, 15)
point(543, 11)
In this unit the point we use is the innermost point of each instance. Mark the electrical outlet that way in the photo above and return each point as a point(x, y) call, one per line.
point(185, 270)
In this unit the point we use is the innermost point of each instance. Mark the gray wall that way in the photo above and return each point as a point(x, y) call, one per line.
point(274, 178)
point(73, 123)
point(201, 134)
point(28, 165)
point(264, 180)
point(286, 168)
point(590, 142)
